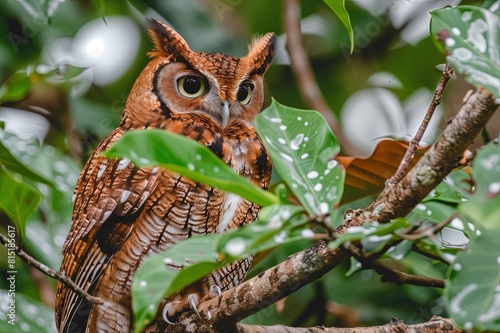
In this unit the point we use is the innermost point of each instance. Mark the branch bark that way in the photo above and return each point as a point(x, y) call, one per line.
point(435, 325)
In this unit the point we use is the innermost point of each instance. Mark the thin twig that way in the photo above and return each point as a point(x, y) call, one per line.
point(412, 147)
point(49, 271)
point(304, 76)
point(443, 156)
point(388, 274)
point(428, 231)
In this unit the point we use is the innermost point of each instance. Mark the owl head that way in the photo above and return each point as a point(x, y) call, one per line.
point(179, 80)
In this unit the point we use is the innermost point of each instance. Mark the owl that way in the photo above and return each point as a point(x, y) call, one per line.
point(123, 214)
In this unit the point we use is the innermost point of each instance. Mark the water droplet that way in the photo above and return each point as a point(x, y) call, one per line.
point(449, 42)
point(216, 169)
point(306, 123)
point(282, 141)
point(143, 284)
point(457, 224)
point(198, 157)
point(280, 238)
point(318, 187)
point(323, 208)
point(282, 127)
point(331, 164)
point(304, 156)
point(286, 157)
point(455, 31)
point(421, 207)
point(235, 246)
point(312, 174)
point(275, 120)
point(167, 261)
point(155, 170)
point(294, 144)
point(494, 188)
point(190, 166)
point(457, 266)
point(299, 118)
point(307, 233)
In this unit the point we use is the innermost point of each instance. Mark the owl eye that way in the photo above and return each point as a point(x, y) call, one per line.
point(191, 86)
point(245, 93)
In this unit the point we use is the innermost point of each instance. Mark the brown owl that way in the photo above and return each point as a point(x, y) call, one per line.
point(123, 214)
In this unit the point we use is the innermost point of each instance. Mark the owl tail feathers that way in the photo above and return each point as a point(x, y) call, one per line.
point(261, 53)
point(167, 42)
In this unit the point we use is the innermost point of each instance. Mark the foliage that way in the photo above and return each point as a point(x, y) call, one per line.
point(308, 182)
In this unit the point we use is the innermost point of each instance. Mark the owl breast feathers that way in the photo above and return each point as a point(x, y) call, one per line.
point(123, 214)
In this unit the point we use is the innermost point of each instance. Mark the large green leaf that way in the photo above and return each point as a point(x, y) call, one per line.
point(188, 158)
point(471, 37)
point(17, 200)
point(13, 164)
point(303, 149)
point(338, 7)
point(483, 207)
point(200, 255)
point(473, 289)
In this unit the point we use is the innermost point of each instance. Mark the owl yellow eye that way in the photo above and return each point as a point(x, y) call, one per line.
point(244, 94)
point(191, 86)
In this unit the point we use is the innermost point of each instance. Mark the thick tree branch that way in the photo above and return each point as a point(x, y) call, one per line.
point(439, 161)
point(435, 325)
point(49, 271)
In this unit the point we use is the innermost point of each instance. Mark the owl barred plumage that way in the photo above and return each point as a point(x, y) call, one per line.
point(122, 214)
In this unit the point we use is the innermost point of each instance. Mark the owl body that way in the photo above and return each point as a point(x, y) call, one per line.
point(124, 214)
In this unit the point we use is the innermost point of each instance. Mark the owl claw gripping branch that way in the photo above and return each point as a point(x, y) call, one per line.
point(123, 214)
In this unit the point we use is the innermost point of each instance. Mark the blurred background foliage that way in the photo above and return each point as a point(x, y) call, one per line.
point(66, 68)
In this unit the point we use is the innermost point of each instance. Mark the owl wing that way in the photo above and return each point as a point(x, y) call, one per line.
point(110, 195)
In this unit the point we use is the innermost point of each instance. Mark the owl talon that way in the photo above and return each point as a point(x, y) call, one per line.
point(193, 303)
point(165, 312)
point(215, 290)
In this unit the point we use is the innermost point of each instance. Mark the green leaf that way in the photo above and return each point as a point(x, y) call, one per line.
point(375, 233)
point(13, 164)
point(200, 255)
point(473, 291)
point(303, 148)
point(472, 40)
point(483, 207)
point(17, 200)
point(30, 314)
point(338, 7)
point(154, 280)
point(188, 158)
point(15, 88)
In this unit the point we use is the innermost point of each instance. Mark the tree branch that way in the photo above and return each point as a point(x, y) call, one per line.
point(304, 76)
point(438, 161)
point(435, 325)
point(49, 271)
point(410, 152)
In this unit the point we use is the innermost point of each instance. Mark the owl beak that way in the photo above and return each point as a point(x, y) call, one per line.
point(225, 113)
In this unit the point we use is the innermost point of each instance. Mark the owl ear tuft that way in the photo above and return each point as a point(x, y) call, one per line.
point(261, 53)
point(167, 42)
